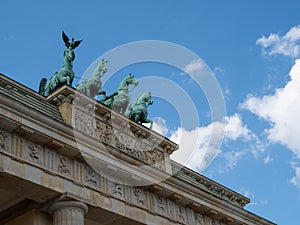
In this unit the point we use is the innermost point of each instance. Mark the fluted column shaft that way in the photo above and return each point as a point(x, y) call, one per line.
point(68, 212)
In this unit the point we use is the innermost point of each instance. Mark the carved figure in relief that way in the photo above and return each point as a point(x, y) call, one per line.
point(63, 166)
point(180, 213)
point(3, 139)
point(90, 175)
point(161, 204)
point(138, 110)
point(138, 196)
point(66, 74)
point(119, 100)
point(103, 132)
point(34, 152)
point(92, 86)
point(199, 219)
point(117, 190)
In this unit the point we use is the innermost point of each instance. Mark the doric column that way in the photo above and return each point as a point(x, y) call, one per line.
point(68, 212)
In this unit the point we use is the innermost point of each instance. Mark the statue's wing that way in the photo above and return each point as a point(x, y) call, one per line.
point(66, 39)
point(76, 43)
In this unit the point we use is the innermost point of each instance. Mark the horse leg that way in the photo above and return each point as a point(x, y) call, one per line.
point(151, 124)
point(137, 118)
point(68, 80)
point(64, 78)
point(88, 91)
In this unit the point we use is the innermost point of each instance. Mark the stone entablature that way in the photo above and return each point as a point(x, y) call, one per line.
point(208, 185)
point(48, 168)
point(42, 150)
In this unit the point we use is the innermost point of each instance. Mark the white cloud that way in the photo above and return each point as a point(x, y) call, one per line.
point(296, 179)
point(193, 144)
point(159, 126)
point(194, 67)
point(198, 147)
point(281, 110)
point(287, 45)
point(235, 128)
point(268, 159)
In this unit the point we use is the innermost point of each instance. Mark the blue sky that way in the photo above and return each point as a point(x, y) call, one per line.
point(251, 47)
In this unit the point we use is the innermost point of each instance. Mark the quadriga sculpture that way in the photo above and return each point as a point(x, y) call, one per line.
point(66, 74)
point(92, 86)
point(119, 100)
point(138, 110)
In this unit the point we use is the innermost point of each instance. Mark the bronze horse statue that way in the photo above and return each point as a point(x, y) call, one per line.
point(92, 86)
point(119, 100)
point(138, 110)
point(66, 74)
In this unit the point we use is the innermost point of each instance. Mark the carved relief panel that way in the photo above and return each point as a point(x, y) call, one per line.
point(4, 140)
point(139, 196)
point(64, 165)
point(161, 205)
point(199, 219)
point(91, 177)
point(116, 189)
point(34, 152)
point(180, 213)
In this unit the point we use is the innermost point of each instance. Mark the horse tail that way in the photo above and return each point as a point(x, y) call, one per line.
point(42, 86)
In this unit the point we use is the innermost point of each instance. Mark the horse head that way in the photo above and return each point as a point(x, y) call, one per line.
point(69, 54)
point(102, 66)
point(144, 98)
point(148, 98)
point(129, 80)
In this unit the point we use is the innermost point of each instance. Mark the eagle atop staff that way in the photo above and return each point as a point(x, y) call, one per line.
point(68, 44)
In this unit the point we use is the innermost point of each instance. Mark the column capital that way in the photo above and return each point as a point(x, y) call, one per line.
point(66, 212)
point(68, 204)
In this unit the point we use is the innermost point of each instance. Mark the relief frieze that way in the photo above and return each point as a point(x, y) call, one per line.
point(119, 139)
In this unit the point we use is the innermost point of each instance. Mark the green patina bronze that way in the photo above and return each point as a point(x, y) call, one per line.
point(92, 86)
point(66, 73)
point(138, 110)
point(119, 100)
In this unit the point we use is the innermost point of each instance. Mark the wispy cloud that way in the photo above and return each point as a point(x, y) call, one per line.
point(195, 67)
point(287, 44)
point(268, 159)
point(296, 179)
point(232, 158)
